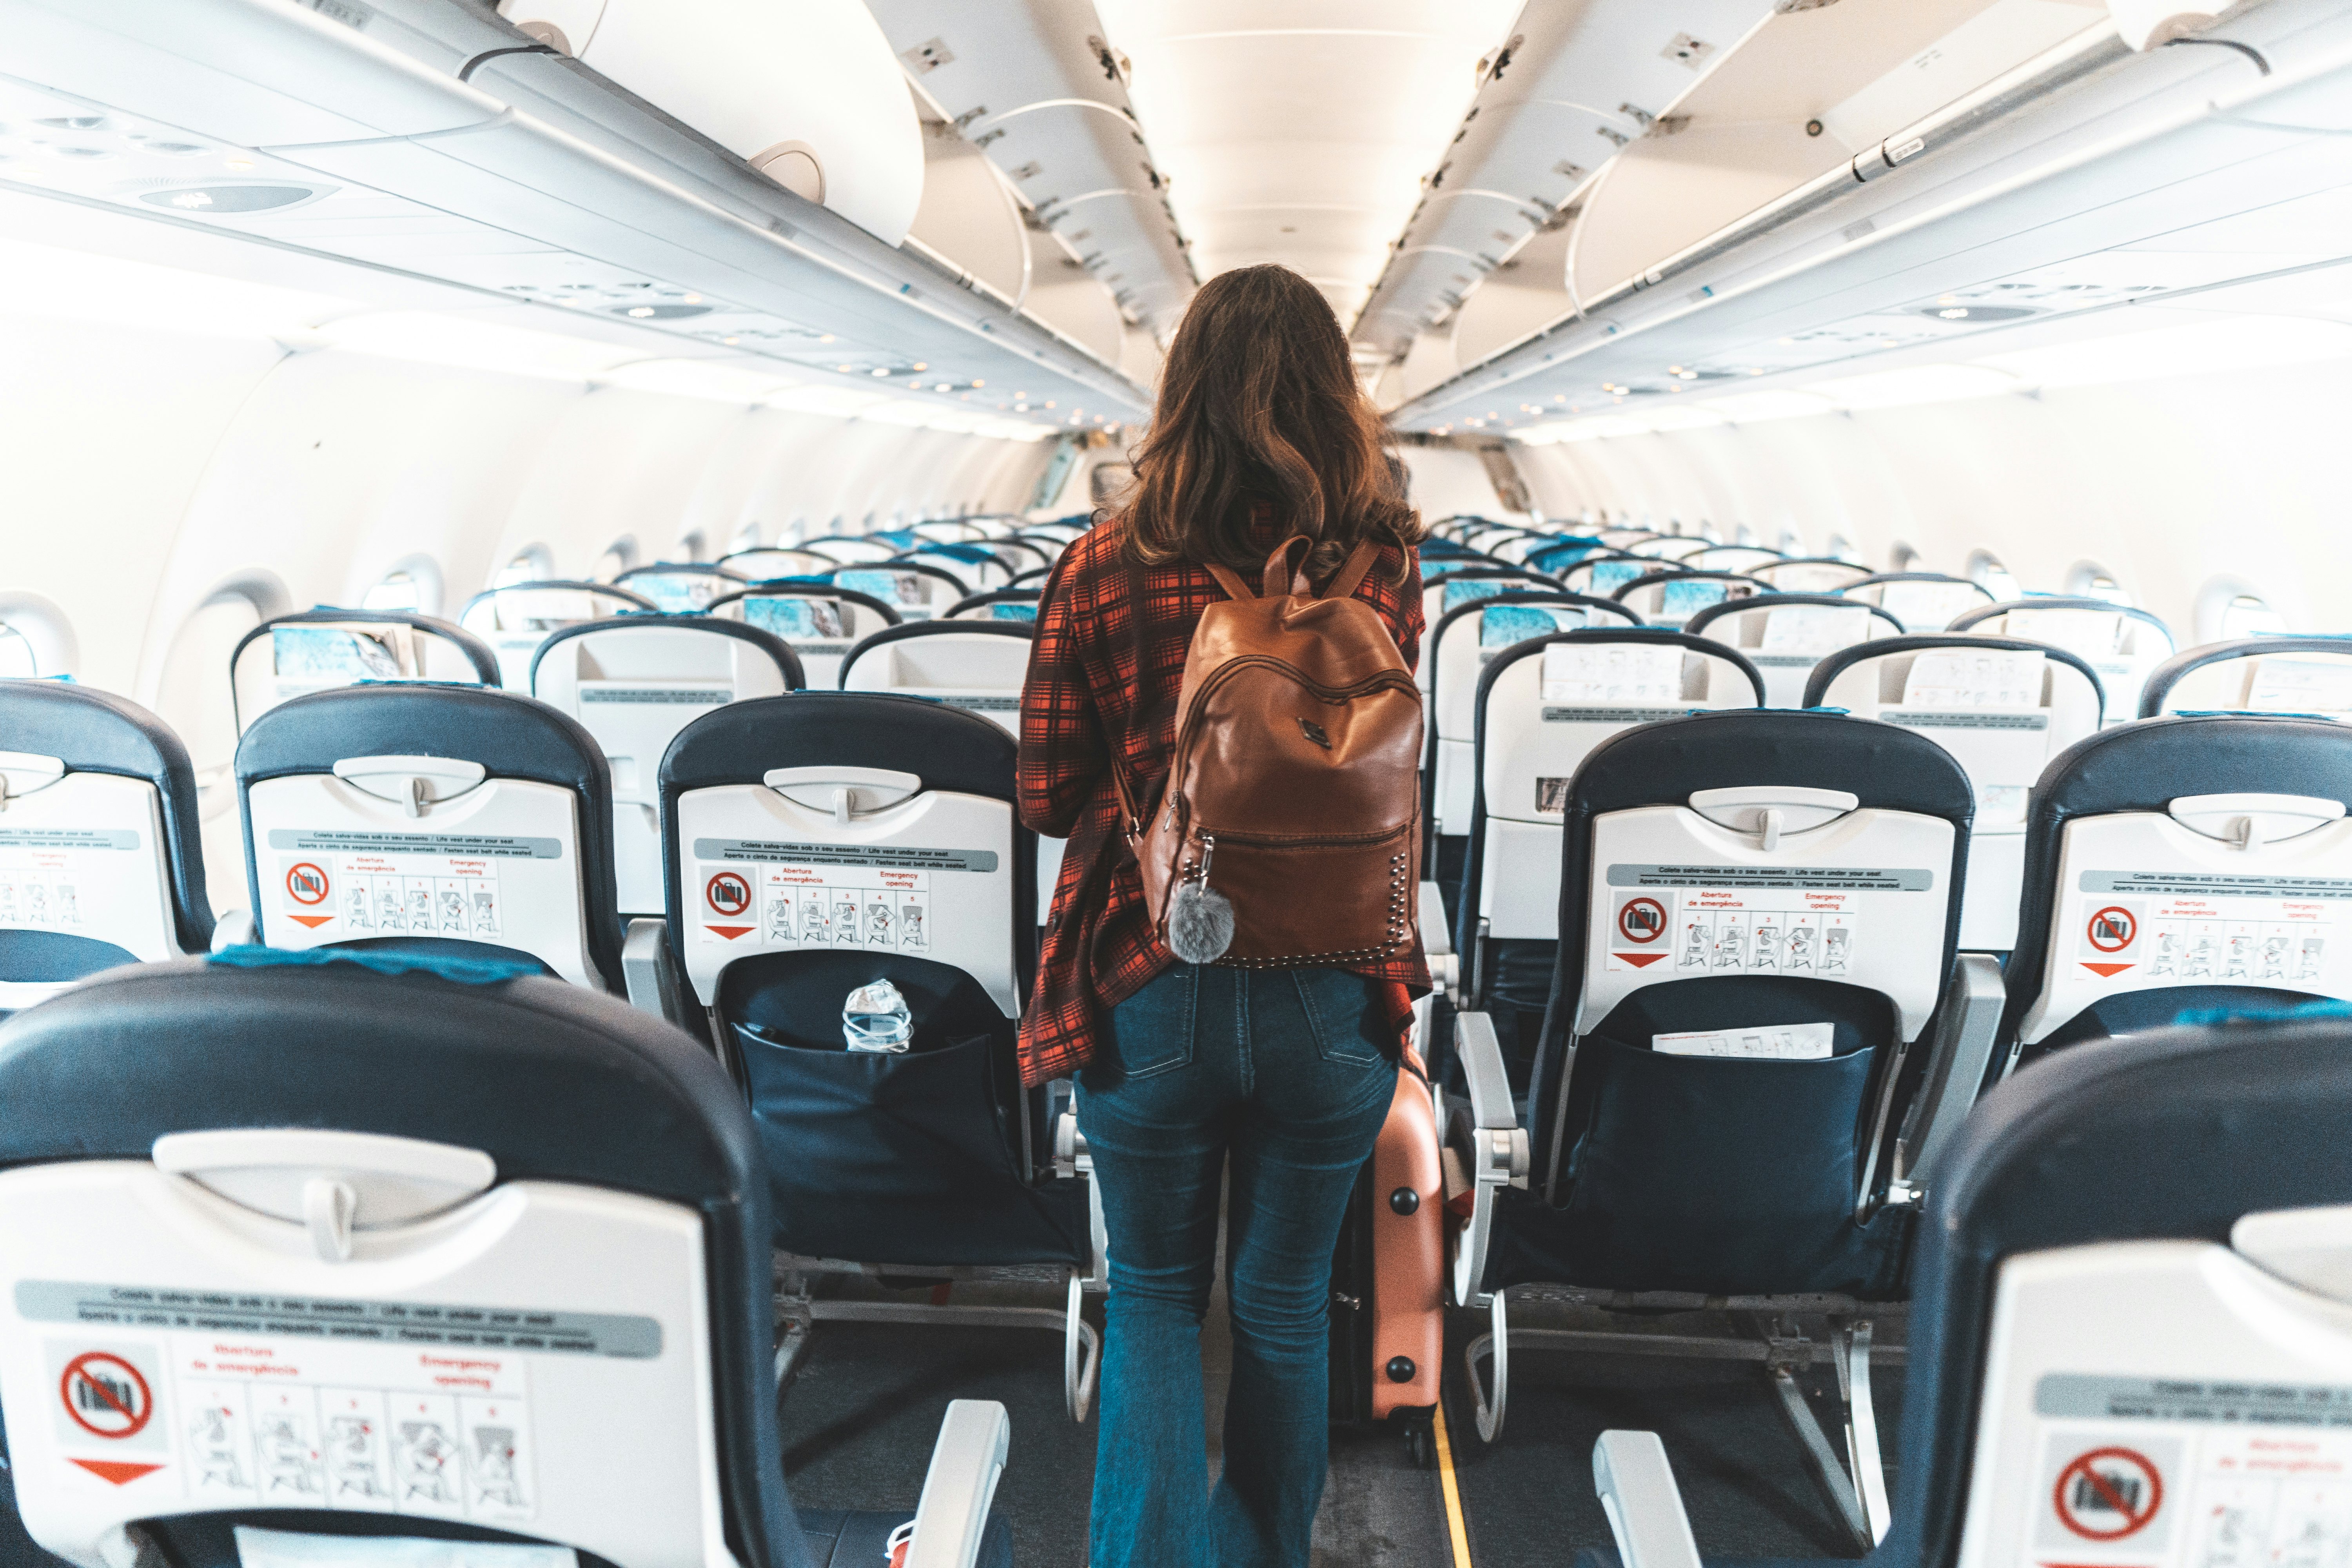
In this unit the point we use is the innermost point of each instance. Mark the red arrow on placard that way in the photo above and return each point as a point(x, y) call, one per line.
point(121, 1472)
point(1640, 960)
point(730, 933)
point(2106, 971)
point(313, 921)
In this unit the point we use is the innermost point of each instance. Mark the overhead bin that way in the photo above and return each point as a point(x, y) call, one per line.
point(2086, 179)
point(439, 141)
point(809, 94)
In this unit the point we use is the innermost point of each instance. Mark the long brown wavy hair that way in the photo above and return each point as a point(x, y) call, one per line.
point(1259, 404)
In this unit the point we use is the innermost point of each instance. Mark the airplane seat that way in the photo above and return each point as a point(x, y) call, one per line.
point(2286, 674)
point(1672, 595)
point(515, 619)
point(850, 550)
point(1784, 636)
point(101, 851)
point(2129, 1337)
point(2004, 707)
point(980, 666)
point(916, 591)
point(1033, 578)
point(312, 650)
point(633, 682)
point(979, 567)
point(1000, 604)
point(680, 588)
point(1755, 927)
point(435, 819)
point(951, 529)
point(1022, 555)
point(766, 563)
point(1741, 558)
point(1924, 602)
point(2191, 862)
point(1539, 708)
point(369, 1248)
point(2123, 645)
point(817, 844)
point(1478, 616)
point(1809, 574)
point(820, 620)
point(1563, 551)
point(1601, 574)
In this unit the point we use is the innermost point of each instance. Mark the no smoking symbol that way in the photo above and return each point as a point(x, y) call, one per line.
point(106, 1396)
point(1641, 920)
point(2112, 928)
point(729, 893)
point(2108, 1494)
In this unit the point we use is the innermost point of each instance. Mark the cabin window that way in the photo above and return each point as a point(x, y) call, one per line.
point(33, 637)
point(619, 557)
point(746, 538)
point(413, 587)
point(531, 563)
point(2229, 607)
point(2089, 580)
point(692, 547)
point(16, 656)
point(1986, 572)
point(1841, 548)
point(1792, 544)
point(1744, 534)
point(1901, 557)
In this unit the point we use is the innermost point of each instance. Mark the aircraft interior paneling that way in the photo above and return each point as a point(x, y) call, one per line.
point(523, 525)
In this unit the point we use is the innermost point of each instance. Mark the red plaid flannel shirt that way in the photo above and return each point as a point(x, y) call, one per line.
point(1085, 697)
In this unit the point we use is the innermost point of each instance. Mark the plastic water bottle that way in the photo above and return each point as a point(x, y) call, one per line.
point(874, 1018)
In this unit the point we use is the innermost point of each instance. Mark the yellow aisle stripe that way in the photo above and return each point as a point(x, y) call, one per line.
point(1453, 1525)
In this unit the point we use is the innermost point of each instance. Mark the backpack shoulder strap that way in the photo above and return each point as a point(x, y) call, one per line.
point(1351, 571)
point(1231, 582)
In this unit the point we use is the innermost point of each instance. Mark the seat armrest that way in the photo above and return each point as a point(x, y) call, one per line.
point(1488, 1150)
point(1436, 931)
point(234, 929)
point(1483, 1073)
point(645, 969)
point(1637, 1492)
point(1967, 1023)
point(961, 1484)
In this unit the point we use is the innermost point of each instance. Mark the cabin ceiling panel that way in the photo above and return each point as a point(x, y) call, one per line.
point(1325, 116)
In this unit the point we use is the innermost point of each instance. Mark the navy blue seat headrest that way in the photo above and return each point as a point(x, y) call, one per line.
point(94, 731)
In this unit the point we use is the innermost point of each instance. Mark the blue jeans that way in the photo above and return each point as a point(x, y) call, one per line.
point(1285, 1072)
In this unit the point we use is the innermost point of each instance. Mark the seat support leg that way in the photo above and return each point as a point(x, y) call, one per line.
point(795, 1322)
point(1861, 1425)
point(1788, 1351)
point(1496, 1343)
point(1081, 1352)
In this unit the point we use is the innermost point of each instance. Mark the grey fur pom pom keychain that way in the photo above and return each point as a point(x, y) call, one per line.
point(1200, 919)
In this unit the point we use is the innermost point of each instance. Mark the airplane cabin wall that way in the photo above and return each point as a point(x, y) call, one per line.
point(2166, 483)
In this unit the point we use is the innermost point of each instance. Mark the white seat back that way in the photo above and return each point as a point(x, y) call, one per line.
point(1785, 641)
point(850, 552)
point(679, 590)
point(1673, 600)
point(82, 855)
point(1459, 648)
point(820, 857)
point(1809, 574)
point(979, 666)
point(820, 626)
point(292, 655)
point(515, 620)
point(769, 562)
point(915, 595)
point(1924, 602)
point(1835, 891)
point(635, 685)
point(2285, 674)
point(1543, 711)
point(2122, 646)
point(2004, 710)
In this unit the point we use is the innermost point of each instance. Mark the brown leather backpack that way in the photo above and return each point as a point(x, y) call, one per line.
point(1289, 830)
